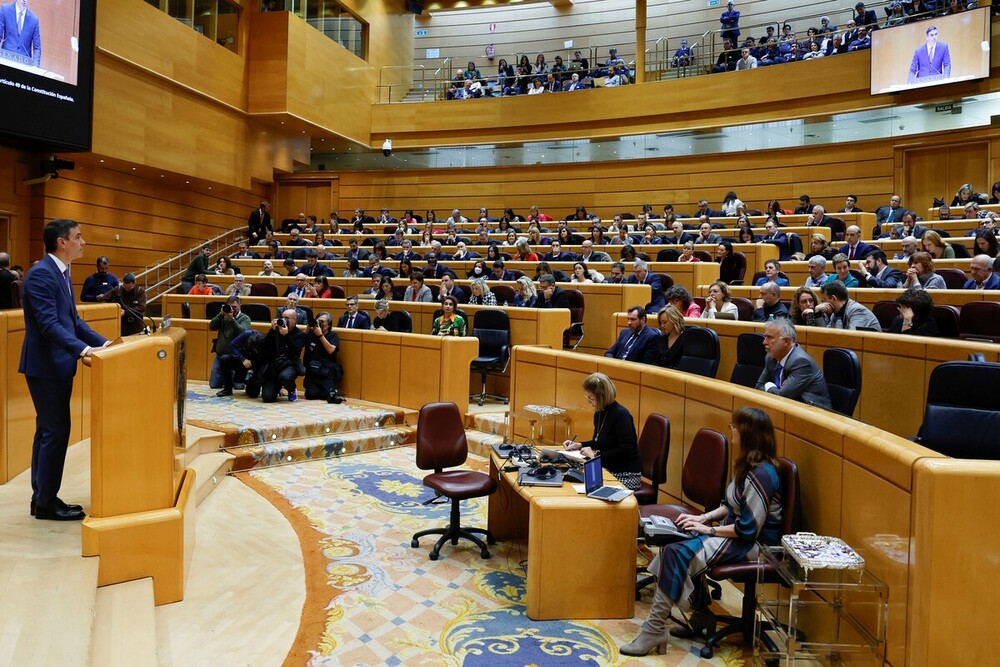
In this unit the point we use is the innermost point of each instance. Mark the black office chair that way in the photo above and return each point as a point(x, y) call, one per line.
point(186, 310)
point(700, 353)
point(441, 443)
point(750, 572)
point(213, 308)
point(257, 312)
point(885, 312)
point(667, 255)
point(961, 252)
point(492, 328)
point(403, 321)
point(843, 379)
point(750, 359)
point(962, 416)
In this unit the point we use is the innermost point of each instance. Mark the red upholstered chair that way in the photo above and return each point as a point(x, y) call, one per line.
point(573, 336)
point(745, 308)
point(441, 444)
point(654, 447)
point(947, 318)
point(263, 289)
point(885, 312)
point(750, 572)
point(980, 320)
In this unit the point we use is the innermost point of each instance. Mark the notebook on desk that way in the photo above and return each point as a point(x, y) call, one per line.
point(593, 481)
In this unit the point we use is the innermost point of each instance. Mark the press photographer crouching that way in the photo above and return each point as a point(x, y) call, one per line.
point(323, 371)
point(270, 362)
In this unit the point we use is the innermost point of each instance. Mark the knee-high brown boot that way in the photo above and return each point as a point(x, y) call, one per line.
point(654, 633)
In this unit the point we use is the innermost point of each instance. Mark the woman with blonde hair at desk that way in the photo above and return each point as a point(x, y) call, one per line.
point(614, 432)
point(749, 514)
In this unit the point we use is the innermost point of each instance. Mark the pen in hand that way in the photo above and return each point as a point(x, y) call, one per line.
point(570, 441)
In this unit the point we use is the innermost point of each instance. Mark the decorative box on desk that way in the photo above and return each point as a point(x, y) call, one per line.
point(829, 617)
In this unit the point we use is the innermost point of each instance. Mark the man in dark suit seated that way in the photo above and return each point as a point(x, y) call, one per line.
point(244, 252)
point(863, 17)
point(312, 267)
point(500, 273)
point(449, 288)
point(789, 371)
point(590, 255)
point(642, 276)
point(556, 254)
point(819, 218)
point(805, 206)
point(679, 236)
point(704, 210)
point(434, 268)
point(407, 251)
point(354, 252)
point(705, 234)
point(855, 248)
point(292, 303)
point(299, 289)
point(633, 339)
point(876, 270)
point(55, 338)
point(295, 239)
point(353, 318)
point(850, 205)
point(769, 305)
point(550, 296)
point(775, 237)
point(462, 252)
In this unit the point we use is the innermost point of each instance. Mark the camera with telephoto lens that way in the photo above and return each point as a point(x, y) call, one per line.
point(281, 322)
point(226, 308)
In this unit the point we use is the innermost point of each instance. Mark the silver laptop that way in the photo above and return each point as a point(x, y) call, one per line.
point(593, 483)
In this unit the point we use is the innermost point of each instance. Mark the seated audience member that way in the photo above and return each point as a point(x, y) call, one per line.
point(679, 236)
point(230, 322)
point(574, 83)
point(819, 218)
point(581, 274)
point(355, 252)
point(132, 299)
point(292, 303)
point(405, 269)
point(617, 275)
point(727, 59)
point(244, 252)
point(525, 294)
point(746, 61)
point(282, 355)
point(500, 272)
point(268, 241)
point(769, 305)
point(687, 253)
point(842, 269)
point(789, 371)
point(353, 318)
point(268, 270)
point(321, 288)
point(805, 206)
point(771, 269)
point(579, 62)
point(983, 273)
point(916, 314)
point(201, 286)
point(985, 243)
point(300, 287)
point(908, 226)
point(850, 205)
point(524, 252)
point(353, 269)
point(590, 255)
point(746, 235)
point(877, 272)
point(815, 51)
point(462, 253)
point(550, 296)
point(667, 349)
point(323, 371)
point(449, 323)
point(803, 309)
point(921, 274)
point(967, 195)
point(449, 288)
point(434, 268)
point(855, 248)
point(224, 267)
point(641, 275)
point(556, 254)
point(818, 245)
point(382, 320)
point(909, 246)
point(775, 237)
point(295, 239)
point(682, 56)
point(862, 42)
point(417, 291)
point(406, 251)
point(932, 243)
point(719, 300)
point(705, 233)
point(99, 283)
point(817, 271)
point(729, 264)
point(478, 270)
point(842, 312)
point(680, 298)
point(312, 267)
point(650, 237)
point(944, 213)
point(386, 288)
point(481, 294)
point(238, 286)
point(633, 339)
point(274, 252)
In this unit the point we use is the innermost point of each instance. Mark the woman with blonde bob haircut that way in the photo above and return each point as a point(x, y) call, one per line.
point(614, 432)
point(749, 514)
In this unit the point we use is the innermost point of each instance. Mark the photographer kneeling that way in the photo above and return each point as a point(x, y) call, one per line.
point(323, 371)
point(282, 350)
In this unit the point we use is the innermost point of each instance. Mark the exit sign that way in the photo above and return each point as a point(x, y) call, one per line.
point(714, 3)
point(421, 33)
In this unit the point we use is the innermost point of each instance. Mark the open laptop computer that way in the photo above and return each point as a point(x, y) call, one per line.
point(593, 483)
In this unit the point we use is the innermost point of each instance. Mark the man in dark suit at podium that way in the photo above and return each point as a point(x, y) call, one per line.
point(19, 32)
point(54, 339)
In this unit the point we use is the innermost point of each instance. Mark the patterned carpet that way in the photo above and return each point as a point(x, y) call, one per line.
point(372, 600)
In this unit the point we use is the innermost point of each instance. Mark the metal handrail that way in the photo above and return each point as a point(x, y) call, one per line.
point(159, 279)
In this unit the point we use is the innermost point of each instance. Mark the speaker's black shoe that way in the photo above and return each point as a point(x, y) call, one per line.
point(59, 503)
point(54, 512)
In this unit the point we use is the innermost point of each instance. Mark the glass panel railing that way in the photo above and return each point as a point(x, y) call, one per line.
point(217, 20)
point(335, 21)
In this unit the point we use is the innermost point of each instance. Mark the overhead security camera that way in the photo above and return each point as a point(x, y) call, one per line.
point(387, 147)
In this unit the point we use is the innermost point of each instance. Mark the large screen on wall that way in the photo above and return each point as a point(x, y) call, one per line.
point(931, 52)
point(47, 73)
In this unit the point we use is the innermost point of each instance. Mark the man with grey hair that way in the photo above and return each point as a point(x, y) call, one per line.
point(239, 286)
point(909, 247)
point(983, 276)
point(817, 271)
point(819, 218)
point(789, 371)
point(642, 276)
point(457, 217)
point(769, 305)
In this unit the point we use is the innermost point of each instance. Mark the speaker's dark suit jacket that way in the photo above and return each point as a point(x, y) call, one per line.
point(801, 379)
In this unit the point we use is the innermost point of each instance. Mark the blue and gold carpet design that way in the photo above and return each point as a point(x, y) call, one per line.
point(376, 601)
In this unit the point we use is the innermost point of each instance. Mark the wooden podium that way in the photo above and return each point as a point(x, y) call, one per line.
point(142, 513)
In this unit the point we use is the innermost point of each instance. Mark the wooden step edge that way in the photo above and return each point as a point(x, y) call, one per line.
point(124, 625)
point(210, 470)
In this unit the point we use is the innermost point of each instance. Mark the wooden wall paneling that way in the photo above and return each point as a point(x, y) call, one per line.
point(939, 170)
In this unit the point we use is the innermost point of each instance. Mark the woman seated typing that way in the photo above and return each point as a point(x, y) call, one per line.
point(719, 300)
point(614, 433)
point(666, 350)
point(750, 514)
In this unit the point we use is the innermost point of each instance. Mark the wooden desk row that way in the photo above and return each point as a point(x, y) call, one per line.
point(868, 296)
point(893, 501)
point(895, 368)
point(959, 211)
point(797, 272)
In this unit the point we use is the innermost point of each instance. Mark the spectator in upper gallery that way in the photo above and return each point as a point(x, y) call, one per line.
point(102, 281)
point(864, 17)
point(730, 20)
point(855, 248)
point(613, 59)
point(559, 68)
point(817, 271)
point(537, 88)
point(580, 62)
point(552, 83)
point(805, 206)
point(769, 304)
point(728, 58)
point(766, 38)
point(617, 77)
point(746, 60)
point(541, 67)
point(472, 72)
point(863, 41)
point(916, 314)
point(574, 83)
point(682, 56)
point(772, 268)
point(850, 205)
point(842, 311)
point(921, 274)
point(983, 275)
